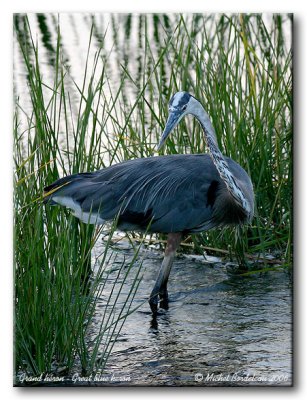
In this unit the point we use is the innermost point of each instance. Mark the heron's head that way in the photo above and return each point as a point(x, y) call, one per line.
point(181, 104)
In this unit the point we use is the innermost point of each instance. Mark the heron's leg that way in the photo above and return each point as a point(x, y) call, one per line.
point(160, 288)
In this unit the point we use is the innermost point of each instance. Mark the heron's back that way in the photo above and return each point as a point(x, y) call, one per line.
point(176, 193)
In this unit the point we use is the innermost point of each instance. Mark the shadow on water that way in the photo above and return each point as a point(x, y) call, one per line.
point(220, 328)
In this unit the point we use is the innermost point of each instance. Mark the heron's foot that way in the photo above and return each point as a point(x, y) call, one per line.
point(154, 300)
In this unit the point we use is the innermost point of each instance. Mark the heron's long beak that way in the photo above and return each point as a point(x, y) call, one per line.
point(173, 119)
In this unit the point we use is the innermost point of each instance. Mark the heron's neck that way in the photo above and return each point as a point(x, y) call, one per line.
point(220, 162)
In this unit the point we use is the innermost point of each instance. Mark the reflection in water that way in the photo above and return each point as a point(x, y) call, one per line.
point(46, 38)
point(234, 327)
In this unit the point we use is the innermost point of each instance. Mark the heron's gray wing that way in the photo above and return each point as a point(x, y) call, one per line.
point(173, 193)
point(176, 194)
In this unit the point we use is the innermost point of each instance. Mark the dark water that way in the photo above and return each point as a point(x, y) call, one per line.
point(220, 329)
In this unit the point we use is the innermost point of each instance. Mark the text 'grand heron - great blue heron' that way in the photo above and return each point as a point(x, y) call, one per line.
point(174, 194)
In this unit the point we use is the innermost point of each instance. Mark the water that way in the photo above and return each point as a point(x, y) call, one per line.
point(221, 329)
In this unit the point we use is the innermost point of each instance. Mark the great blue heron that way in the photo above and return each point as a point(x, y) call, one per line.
point(174, 194)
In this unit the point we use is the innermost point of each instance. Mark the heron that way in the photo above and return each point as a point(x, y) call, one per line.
point(175, 194)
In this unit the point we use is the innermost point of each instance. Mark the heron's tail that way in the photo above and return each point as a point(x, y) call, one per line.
point(56, 187)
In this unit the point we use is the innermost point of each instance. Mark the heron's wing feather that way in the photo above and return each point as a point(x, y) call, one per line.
point(168, 192)
point(171, 192)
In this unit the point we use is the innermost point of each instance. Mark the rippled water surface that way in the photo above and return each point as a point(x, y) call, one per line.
point(220, 329)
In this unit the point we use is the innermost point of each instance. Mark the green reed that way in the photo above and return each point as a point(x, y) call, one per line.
point(55, 290)
point(237, 65)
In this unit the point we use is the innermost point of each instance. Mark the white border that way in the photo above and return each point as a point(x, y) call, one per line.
point(7, 8)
